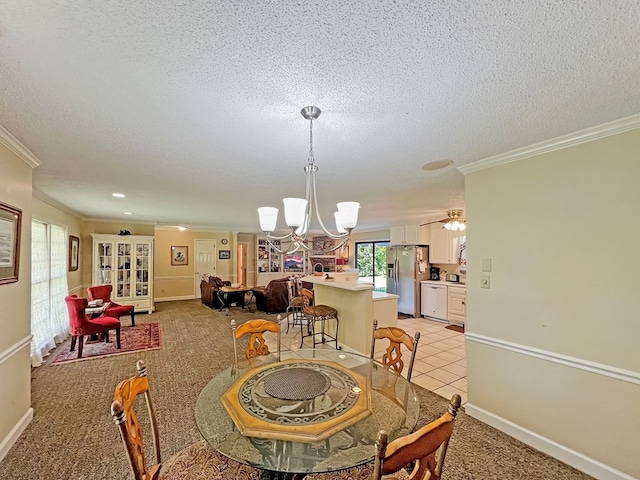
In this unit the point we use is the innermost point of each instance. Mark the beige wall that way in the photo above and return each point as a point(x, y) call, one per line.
point(15, 308)
point(552, 346)
point(172, 282)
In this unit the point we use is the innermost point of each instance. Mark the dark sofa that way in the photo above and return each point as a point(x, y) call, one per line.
point(209, 286)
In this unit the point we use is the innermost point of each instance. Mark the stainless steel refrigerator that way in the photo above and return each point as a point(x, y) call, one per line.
point(407, 266)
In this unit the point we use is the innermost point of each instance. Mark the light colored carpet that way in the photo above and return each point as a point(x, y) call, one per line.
point(72, 435)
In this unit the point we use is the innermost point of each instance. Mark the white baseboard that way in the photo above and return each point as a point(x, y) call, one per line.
point(15, 432)
point(173, 299)
point(577, 460)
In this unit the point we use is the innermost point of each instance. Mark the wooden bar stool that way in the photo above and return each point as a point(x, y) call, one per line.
point(319, 313)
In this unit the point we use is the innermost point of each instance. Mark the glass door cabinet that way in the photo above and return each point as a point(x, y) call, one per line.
point(126, 263)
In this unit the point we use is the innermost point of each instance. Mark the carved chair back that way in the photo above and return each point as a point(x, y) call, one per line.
point(257, 344)
point(126, 419)
point(392, 358)
point(427, 447)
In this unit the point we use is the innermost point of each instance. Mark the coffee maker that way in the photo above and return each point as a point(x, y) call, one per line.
point(435, 273)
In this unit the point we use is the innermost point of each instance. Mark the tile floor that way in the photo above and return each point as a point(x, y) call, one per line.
point(440, 364)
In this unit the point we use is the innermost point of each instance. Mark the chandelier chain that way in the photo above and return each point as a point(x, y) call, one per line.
point(311, 157)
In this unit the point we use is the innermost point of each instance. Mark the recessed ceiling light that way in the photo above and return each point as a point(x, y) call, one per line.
point(437, 165)
point(182, 229)
point(128, 213)
point(118, 195)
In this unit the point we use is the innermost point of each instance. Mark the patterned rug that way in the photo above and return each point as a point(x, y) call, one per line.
point(145, 336)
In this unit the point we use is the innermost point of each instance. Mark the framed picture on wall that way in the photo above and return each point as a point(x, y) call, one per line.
point(179, 255)
point(224, 254)
point(74, 253)
point(10, 223)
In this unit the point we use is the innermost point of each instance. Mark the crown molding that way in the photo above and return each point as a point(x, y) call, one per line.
point(13, 144)
point(582, 136)
point(37, 194)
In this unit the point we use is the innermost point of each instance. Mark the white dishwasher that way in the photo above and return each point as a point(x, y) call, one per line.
point(434, 301)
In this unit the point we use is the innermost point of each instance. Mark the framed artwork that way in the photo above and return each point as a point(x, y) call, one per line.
point(10, 223)
point(224, 254)
point(179, 255)
point(74, 253)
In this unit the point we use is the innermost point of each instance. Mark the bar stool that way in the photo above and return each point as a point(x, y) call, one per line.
point(319, 313)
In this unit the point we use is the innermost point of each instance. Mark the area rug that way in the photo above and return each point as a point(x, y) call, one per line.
point(455, 328)
point(144, 336)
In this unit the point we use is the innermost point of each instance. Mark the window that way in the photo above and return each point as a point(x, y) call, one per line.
point(49, 317)
point(371, 262)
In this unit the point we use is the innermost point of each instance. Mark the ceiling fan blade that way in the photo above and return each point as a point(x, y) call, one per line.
point(444, 220)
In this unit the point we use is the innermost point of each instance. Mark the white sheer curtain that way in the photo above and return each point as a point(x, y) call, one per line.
point(49, 317)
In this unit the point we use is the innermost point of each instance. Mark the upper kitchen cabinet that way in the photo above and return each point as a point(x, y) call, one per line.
point(443, 245)
point(408, 235)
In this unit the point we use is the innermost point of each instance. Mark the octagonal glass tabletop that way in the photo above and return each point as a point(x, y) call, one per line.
point(315, 411)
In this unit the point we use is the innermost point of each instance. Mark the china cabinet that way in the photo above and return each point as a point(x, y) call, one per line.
point(126, 263)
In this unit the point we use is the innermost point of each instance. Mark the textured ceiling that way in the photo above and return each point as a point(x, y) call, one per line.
point(191, 108)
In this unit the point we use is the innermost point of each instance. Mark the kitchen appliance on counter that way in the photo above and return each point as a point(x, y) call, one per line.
point(452, 277)
point(406, 267)
point(434, 273)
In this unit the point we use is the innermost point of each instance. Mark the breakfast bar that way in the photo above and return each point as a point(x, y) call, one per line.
point(358, 305)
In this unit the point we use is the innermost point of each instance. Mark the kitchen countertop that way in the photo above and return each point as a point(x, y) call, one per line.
point(338, 283)
point(442, 282)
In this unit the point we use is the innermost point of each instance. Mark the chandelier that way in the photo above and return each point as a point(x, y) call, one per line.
point(455, 221)
point(299, 211)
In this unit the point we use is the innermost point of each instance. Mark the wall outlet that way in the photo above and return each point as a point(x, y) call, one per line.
point(485, 281)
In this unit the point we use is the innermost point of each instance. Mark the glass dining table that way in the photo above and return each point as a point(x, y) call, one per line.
point(314, 411)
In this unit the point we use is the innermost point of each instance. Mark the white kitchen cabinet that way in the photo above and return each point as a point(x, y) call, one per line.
point(408, 235)
point(433, 300)
point(443, 245)
point(126, 263)
point(456, 304)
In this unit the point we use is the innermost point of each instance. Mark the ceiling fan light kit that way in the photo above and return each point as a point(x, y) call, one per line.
point(456, 222)
point(298, 212)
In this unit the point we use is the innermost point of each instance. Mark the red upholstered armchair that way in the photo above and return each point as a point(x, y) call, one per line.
point(103, 292)
point(81, 324)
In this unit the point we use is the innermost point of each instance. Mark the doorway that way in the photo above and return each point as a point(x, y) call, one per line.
point(371, 262)
point(205, 258)
point(242, 263)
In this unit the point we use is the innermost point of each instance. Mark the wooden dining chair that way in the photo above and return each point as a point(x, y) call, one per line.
point(198, 460)
point(257, 344)
point(392, 358)
point(426, 448)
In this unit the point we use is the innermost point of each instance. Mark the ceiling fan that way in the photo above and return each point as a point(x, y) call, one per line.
point(454, 220)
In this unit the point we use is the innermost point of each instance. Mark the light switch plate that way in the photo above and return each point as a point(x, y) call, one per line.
point(485, 281)
point(486, 264)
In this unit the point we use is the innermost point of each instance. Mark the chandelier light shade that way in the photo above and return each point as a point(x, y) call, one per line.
point(298, 212)
point(456, 222)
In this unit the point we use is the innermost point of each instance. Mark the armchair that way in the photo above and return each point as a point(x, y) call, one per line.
point(209, 286)
point(103, 292)
point(80, 324)
point(274, 298)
